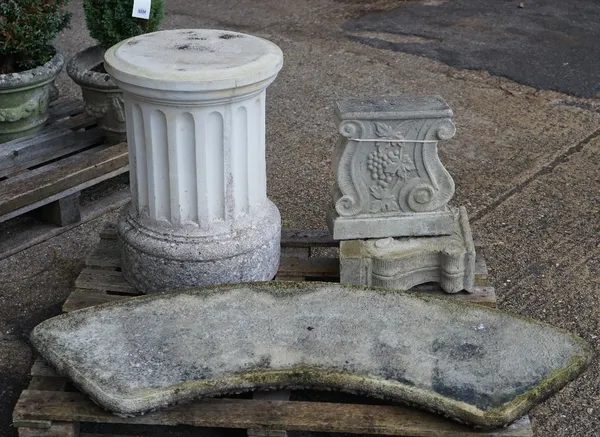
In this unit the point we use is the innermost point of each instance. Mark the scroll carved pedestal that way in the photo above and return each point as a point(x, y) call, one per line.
point(390, 185)
point(389, 181)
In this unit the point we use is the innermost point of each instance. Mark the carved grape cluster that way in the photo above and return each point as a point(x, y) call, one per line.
point(377, 163)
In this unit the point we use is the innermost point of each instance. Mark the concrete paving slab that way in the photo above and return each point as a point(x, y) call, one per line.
point(477, 365)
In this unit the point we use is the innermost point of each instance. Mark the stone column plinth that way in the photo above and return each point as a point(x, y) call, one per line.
point(195, 113)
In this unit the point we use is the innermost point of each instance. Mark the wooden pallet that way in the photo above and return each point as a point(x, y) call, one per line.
point(46, 409)
point(101, 280)
point(47, 171)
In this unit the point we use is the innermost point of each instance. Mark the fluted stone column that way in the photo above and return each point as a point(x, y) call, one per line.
point(195, 110)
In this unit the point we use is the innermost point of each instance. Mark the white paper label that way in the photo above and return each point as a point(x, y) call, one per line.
point(141, 9)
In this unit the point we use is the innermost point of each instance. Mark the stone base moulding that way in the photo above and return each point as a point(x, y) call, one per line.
point(402, 263)
point(368, 226)
point(157, 260)
point(195, 112)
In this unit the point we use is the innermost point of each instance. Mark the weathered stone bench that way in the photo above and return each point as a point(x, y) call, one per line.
point(474, 364)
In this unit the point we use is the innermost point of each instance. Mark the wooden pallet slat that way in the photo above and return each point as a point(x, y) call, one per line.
point(80, 121)
point(106, 254)
point(311, 267)
point(109, 232)
point(41, 368)
point(80, 299)
point(105, 280)
point(307, 238)
point(292, 268)
point(28, 188)
point(14, 243)
point(20, 151)
point(65, 107)
point(48, 171)
point(259, 414)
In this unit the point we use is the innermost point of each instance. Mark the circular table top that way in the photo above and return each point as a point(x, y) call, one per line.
point(193, 60)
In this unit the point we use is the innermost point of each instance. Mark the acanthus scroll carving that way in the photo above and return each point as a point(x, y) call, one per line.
point(392, 166)
point(352, 198)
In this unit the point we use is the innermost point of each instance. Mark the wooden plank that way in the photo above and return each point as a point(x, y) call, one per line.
point(53, 154)
point(83, 140)
point(62, 212)
point(35, 234)
point(109, 232)
point(307, 238)
point(22, 150)
point(67, 192)
point(106, 280)
point(106, 254)
point(43, 148)
point(481, 271)
point(321, 238)
point(80, 121)
point(64, 107)
point(260, 414)
point(46, 383)
point(80, 299)
point(278, 395)
point(312, 267)
point(57, 429)
point(85, 434)
point(22, 191)
point(295, 252)
point(481, 295)
point(41, 368)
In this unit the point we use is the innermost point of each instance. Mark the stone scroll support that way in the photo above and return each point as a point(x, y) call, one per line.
point(195, 111)
point(402, 263)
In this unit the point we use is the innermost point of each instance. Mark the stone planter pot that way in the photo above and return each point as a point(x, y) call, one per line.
point(103, 99)
point(24, 99)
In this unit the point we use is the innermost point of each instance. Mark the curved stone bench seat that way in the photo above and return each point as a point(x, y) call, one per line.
point(474, 364)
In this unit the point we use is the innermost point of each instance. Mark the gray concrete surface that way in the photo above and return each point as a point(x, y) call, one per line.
point(526, 165)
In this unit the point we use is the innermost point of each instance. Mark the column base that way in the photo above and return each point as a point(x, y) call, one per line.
point(402, 263)
point(155, 258)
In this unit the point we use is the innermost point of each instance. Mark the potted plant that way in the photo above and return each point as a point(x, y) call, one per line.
point(29, 65)
point(109, 22)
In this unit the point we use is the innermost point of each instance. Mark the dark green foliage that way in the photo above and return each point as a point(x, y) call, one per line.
point(110, 21)
point(26, 29)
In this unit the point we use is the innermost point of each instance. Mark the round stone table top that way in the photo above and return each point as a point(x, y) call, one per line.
point(193, 60)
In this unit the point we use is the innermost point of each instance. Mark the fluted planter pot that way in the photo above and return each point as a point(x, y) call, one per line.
point(24, 99)
point(103, 99)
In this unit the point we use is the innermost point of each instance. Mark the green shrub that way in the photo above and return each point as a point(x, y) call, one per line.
point(26, 29)
point(110, 21)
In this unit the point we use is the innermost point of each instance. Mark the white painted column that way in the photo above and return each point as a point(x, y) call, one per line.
point(195, 108)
